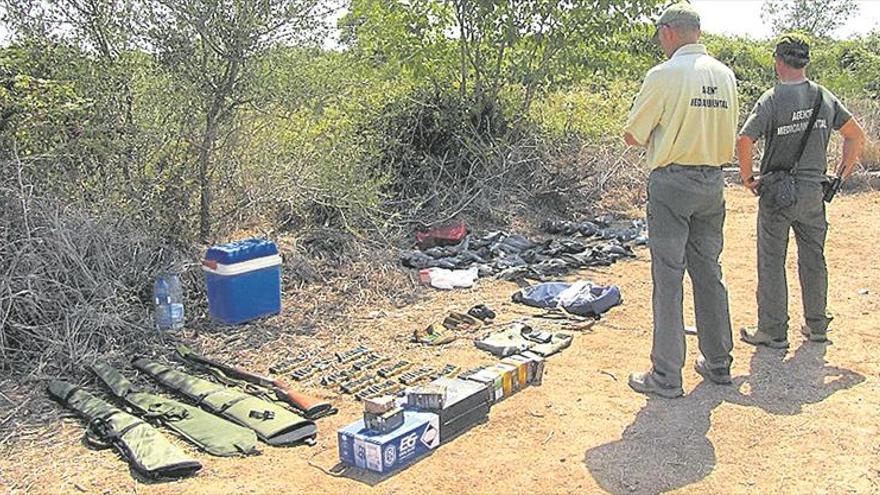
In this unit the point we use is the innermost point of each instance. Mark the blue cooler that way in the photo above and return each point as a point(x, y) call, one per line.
point(244, 280)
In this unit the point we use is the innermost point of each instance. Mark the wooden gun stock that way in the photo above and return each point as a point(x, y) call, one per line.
point(311, 407)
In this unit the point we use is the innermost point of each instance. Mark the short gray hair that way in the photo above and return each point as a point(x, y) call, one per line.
point(684, 27)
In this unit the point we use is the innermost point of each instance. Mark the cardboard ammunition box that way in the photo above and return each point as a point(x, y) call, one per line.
point(384, 423)
point(468, 373)
point(510, 378)
point(379, 405)
point(537, 367)
point(385, 453)
point(467, 405)
point(462, 423)
point(429, 396)
point(522, 369)
point(493, 379)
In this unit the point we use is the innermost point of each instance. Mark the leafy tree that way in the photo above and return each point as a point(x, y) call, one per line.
point(529, 43)
point(404, 36)
point(103, 31)
point(34, 112)
point(817, 17)
point(207, 47)
point(492, 43)
point(213, 44)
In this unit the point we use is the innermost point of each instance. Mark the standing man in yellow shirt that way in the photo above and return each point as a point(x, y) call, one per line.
point(686, 116)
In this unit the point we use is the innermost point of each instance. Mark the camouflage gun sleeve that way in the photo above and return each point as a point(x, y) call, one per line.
point(144, 447)
point(272, 423)
point(212, 434)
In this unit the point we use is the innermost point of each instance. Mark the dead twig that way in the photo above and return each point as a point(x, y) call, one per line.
point(609, 374)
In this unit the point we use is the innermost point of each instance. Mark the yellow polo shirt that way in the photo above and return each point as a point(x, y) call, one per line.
point(687, 110)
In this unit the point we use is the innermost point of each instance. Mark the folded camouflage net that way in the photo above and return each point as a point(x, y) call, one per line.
point(145, 448)
point(212, 434)
point(272, 423)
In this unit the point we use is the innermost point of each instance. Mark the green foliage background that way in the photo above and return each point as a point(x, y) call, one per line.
point(360, 137)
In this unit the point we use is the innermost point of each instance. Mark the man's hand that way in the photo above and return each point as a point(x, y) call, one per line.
point(751, 183)
point(630, 140)
point(744, 148)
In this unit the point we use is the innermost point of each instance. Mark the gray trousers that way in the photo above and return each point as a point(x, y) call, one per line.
point(807, 219)
point(685, 222)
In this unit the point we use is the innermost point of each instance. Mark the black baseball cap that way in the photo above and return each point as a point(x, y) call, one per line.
point(794, 49)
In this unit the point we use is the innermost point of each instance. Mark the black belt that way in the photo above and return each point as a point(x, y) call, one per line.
point(675, 167)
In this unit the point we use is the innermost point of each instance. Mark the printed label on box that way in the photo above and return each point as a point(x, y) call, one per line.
point(360, 453)
point(390, 455)
point(431, 436)
point(522, 369)
point(374, 457)
point(510, 378)
point(538, 367)
point(387, 452)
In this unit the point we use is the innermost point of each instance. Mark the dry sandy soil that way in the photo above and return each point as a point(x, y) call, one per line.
point(801, 421)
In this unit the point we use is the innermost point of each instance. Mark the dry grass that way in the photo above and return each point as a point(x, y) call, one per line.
point(74, 285)
point(77, 284)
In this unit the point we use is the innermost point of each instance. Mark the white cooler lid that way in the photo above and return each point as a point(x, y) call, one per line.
point(244, 267)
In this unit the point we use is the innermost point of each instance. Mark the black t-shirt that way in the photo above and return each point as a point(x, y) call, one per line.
point(787, 109)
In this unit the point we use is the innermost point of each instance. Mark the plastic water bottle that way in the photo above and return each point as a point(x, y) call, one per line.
point(168, 298)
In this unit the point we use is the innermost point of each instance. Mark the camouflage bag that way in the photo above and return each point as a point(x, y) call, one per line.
point(145, 448)
point(272, 423)
point(212, 434)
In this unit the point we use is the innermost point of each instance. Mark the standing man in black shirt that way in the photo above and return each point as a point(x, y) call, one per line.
point(781, 117)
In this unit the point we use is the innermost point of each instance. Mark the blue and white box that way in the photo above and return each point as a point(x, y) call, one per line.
point(384, 453)
point(243, 280)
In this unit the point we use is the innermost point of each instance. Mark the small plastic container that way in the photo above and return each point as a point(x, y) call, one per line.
point(168, 301)
point(243, 280)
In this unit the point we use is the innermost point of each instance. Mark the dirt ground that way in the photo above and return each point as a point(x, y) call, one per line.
point(801, 421)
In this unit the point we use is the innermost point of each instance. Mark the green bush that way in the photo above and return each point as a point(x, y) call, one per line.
point(586, 111)
point(751, 61)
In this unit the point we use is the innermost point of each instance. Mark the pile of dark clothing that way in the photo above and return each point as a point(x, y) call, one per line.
point(605, 228)
point(512, 256)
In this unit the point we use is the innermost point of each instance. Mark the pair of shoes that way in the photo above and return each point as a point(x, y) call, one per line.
point(752, 335)
point(648, 383)
point(721, 376)
point(812, 336)
point(461, 322)
point(482, 312)
point(433, 334)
